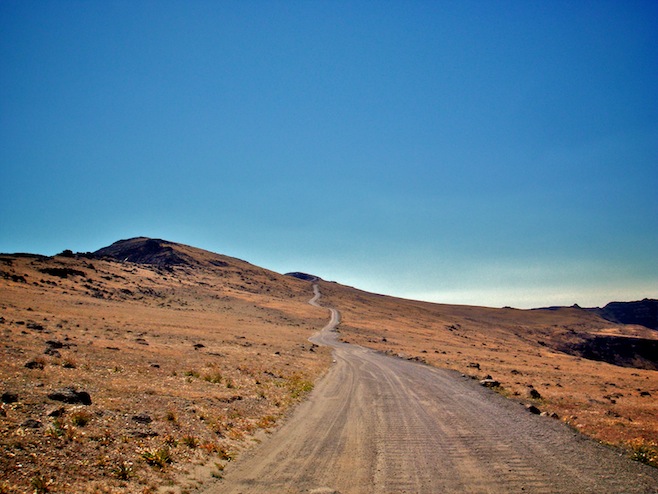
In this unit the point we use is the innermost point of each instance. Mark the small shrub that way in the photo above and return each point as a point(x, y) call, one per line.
point(190, 441)
point(214, 378)
point(123, 471)
point(267, 422)
point(69, 363)
point(56, 430)
point(80, 418)
point(170, 440)
point(39, 484)
point(191, 373)
point(210, 448)
point(225, 455)
point(299, 386)
point(644, 452)
point(171, 416)
point(160, 457)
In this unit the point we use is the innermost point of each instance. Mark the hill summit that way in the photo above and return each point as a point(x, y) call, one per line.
point(160, 253)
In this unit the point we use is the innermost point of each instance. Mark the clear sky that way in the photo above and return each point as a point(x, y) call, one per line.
point(478, 152)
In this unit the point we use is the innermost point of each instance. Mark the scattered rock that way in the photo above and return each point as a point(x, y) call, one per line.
point(35, 364)
point(155, 366)
point(9, 397)
point(143, 434)
point(199, 345)
point(56, 412)
point(534, 394)
point(645, 393)
point(474, 365)
point(71, 396)
point(489, 383)
point(32, 424)
point(142, 418)
point(52, 352)
point(62, 272)
point(533, 409)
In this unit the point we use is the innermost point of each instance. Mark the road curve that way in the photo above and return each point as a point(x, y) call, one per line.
point(377, 424)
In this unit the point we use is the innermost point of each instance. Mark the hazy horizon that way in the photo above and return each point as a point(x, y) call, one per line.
point(485, 153)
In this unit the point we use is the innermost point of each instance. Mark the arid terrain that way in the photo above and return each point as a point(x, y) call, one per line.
point(377, 424)
point(149, 366)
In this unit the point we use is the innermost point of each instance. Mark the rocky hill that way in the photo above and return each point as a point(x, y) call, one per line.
point(643, 312)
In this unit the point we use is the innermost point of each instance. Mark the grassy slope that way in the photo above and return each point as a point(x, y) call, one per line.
point(614, 404)
point(129, 333)
point(132, 336)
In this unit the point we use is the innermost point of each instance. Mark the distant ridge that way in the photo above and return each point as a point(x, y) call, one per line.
point(642, 312)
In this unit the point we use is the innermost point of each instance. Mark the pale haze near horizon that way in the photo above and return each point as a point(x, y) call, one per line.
point(486, 153)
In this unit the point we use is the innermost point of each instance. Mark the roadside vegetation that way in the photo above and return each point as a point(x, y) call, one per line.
point(121, 377)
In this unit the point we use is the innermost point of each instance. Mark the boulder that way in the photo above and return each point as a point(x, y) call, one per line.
point(34, 364)
point(534, 394)
point(32, 424)
point(71, 396)
point(142, 418)
point(9, 397)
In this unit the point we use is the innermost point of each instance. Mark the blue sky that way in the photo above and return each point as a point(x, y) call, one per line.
point(489, 153)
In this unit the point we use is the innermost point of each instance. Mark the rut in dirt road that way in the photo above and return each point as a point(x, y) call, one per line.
point(377, 424)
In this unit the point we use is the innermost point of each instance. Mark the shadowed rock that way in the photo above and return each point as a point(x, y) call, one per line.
point(71, 396)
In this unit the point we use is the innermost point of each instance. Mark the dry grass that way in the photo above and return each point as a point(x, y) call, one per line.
point(186, 366)
point(616, 405)
point(183, 367)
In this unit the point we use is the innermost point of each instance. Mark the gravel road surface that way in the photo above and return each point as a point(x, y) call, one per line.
point(377, 424)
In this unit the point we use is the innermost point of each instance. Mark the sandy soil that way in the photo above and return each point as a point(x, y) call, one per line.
point(378, 424)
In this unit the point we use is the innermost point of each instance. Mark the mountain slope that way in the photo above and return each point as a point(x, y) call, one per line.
point(192, 353)
point(182, 356)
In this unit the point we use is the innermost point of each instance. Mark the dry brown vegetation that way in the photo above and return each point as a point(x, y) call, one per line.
point(517, 348)
point(188, 359)
point(183, 365)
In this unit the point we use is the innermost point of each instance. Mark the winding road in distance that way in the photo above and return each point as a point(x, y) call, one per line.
point(377, 424)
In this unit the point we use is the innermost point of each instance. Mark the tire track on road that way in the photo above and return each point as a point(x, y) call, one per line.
point(383, 425)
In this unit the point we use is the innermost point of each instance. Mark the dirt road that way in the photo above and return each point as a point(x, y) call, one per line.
point(377, 424)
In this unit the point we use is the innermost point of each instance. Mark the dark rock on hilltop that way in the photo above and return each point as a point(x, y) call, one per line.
point(142, 250)
point(303, 276)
